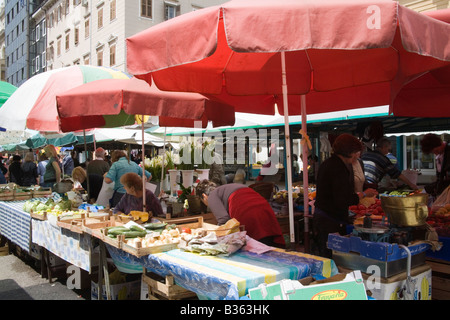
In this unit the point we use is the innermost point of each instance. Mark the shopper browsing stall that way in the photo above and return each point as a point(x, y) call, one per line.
point(432, 143)
point(238, 201)
point(15, 172)
point(376, 165)
point(95, 182)
point(29, 168)
point(335, 191)
point(52, 173)
point(98, 165)
point(133, 198)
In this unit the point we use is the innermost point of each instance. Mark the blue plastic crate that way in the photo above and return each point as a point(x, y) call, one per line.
point(381, 251)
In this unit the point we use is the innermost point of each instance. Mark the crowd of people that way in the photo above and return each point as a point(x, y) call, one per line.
point(351, 173)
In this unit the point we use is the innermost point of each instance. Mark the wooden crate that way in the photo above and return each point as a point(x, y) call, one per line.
point(42, 192)
point(207, 217)
point(164, 288)
point(97, 229)
point(82, 223)
point(7, 196)
point(36, 216)
point(22, 195)
point(198, 221)
point(440, 281)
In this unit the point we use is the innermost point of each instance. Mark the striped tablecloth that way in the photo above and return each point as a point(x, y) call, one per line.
point(18, 226)
point(226, 278)
point(15, 224)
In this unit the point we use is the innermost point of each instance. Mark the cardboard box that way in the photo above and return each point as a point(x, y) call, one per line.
point(348, 286)
point(123, 291)
point(395, 288)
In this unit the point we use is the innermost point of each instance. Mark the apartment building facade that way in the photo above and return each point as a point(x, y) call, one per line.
point(93, 32)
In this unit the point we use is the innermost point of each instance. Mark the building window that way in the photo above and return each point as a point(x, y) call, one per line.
point(86, 28)
point(146, 8)
point(38, 65)
point(38, 32)
point(67, 41)
point(86, 60)
point(51, 18)
point(67, 7)
point(100, 18)
point(100, 58)
point(76, 35)
point(59, 13)
point(171, 11)
point(112, 55)
point(112, 10)
point(58, 47)
point(44, 59)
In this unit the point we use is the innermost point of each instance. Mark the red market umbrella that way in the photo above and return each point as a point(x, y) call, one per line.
point(33, 104)
point(336, 54)
point(87, 106)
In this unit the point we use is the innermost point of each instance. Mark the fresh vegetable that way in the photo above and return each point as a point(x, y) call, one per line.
point(155, 225)
point(186, 230)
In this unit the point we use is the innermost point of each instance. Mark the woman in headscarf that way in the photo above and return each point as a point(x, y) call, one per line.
point(335, 191)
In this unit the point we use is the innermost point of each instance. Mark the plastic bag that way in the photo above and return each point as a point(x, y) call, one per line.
point(442, 200)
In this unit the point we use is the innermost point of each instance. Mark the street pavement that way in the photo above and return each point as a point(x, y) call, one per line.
point(20, 279)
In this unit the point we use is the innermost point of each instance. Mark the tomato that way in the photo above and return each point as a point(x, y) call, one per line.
point(186, 230)
point(361, 207)
point(353, 208)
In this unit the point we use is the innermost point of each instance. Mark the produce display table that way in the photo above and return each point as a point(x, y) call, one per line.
point(225, 278)
point(18, 226)
point(15, 223)
point(73, 247)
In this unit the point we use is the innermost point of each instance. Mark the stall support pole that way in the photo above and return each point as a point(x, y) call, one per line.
point(103, 273)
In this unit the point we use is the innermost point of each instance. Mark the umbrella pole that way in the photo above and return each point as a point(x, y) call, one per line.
point(287, 136)
point(305, 175)
point(163, 161)
point(87, 175)
point(143, 166)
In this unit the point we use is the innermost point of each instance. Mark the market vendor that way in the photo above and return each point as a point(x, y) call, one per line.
point(52, 173)
point(121, 164)
point(133, 198)
point(432, 143)
point(377, 164)
point(238, 201)
point(95, 182)
point(335, 191)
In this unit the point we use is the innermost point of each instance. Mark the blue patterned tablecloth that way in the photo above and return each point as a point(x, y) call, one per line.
point(225, 278)
point(18, 226)
point(71, 246)
point(15, 224)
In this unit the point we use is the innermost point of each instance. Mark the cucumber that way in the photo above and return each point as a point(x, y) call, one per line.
point(154, 226)
point(136, 228)
point(134, 234)
point(118, 231)
point(117, 228)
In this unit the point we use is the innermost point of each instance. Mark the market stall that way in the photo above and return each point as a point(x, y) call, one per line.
point(226, 277)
